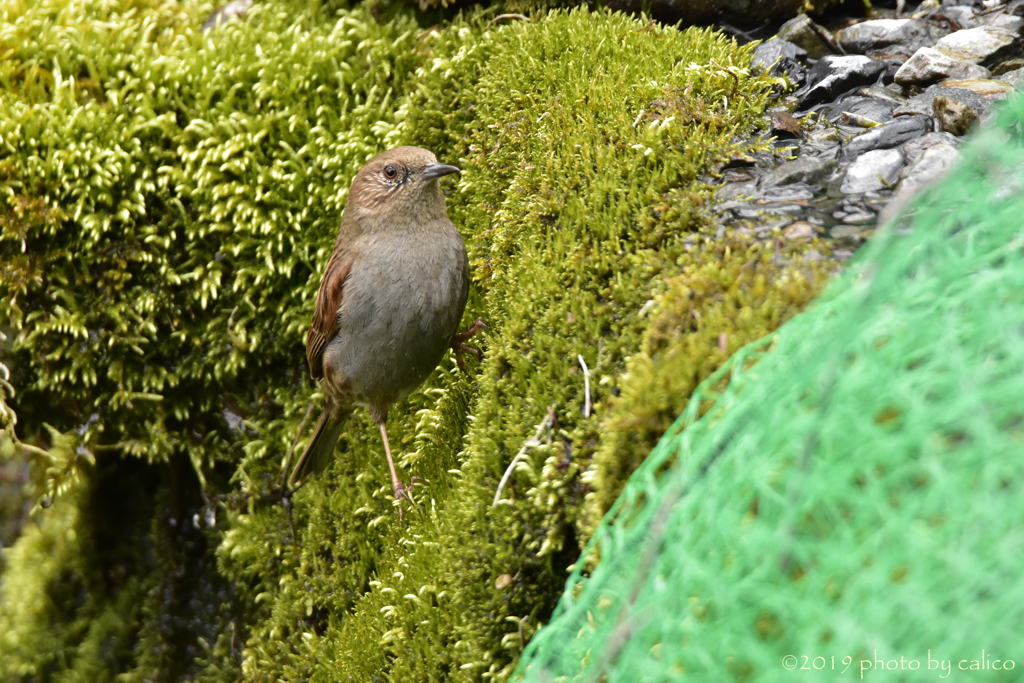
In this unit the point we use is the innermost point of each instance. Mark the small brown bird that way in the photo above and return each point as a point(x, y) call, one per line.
point(390, 300)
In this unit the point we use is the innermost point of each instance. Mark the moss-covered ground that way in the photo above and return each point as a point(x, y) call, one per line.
point(169, 198)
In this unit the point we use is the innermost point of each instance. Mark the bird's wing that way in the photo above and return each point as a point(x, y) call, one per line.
point(325, 318)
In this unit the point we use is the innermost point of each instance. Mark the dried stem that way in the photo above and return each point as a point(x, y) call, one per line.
point(545, 424)
point(586, 385)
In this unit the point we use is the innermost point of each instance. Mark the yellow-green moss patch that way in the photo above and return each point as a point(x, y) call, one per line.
point(197, 182)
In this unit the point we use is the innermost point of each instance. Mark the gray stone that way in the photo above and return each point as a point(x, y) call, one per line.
point(1007, 22)
point(924, 103)
point(883, 93)
point(988, 88)
point(1007, 66)
point(928, 169)
point(886, 136)
point(964, 16)
point(803, 32)
point(872, 171)
point(778, 57)
point(915, 149)
point(1014, 78)
point(860, 218)
point(869, 108)
point(879, 34)
point(851, 233)
point(928, 65)
point(797, 192)
point(803, 170)
point(834, 75)
point(734, 190)
point(982, 45)
point(710, 11)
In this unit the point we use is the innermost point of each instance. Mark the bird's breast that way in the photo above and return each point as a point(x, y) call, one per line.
point(402, 303)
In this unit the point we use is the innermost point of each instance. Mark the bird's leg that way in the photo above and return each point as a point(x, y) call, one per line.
point(396, 484)
point(459, 347)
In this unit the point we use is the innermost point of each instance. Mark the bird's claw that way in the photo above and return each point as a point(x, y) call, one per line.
point(401, 491)
point(477, 325)
point(459, 348)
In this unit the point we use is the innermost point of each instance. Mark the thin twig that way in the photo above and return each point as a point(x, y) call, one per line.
point(545, 424)
point(586, 385)
point(520, 17)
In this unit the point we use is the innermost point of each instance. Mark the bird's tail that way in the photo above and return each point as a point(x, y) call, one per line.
point(321, 445)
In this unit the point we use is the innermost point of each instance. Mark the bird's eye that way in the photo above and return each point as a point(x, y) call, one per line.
point(390, 172)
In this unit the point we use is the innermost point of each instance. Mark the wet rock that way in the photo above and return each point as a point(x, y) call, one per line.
point(961, 17)
point(708, 11)
point(880, 34)
point(886, 136)
point(872, 147)
point(803, 170)
point(804, 33)
point(926, 170)
point(859, 217)
point(736, 190)
point(983, 45)
point(822, 143)
point(873, 171)
point(925, 102)
point(784, 124)
point(929, 167)
point(1006, 22)
point(1013, 77)
point(883, 93)
point(870, 108)
point(781, 58)
point(852, 233)
point(966, 17)
point(834, 75)
point(916, 148)
point(1006, 67)
point(928, 65)
point(954, 116)
point(988, 88)
point(795, 192)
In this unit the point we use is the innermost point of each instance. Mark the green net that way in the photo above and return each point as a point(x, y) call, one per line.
point(851, 504)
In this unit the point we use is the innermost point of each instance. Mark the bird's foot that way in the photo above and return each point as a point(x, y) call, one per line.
point(477, 325)
point(402, 493)
point(460, 348)
point(401, 490)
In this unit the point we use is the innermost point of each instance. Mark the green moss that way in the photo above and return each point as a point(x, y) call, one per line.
point(180, 221)
point(731, 292)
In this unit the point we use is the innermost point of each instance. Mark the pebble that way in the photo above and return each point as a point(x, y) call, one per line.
point(872, 128)
point(982, 45)
point(928, 65)
point(873, 170)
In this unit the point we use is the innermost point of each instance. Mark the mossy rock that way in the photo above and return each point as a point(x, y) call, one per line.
point(171, 198)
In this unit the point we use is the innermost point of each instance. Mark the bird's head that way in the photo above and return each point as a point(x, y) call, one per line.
point(402, 180)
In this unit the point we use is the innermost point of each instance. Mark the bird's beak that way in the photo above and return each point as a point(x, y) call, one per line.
point(437, 170)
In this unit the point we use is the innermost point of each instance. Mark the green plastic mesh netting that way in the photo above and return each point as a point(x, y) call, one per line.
point(852, 503)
